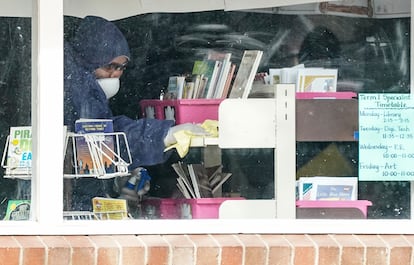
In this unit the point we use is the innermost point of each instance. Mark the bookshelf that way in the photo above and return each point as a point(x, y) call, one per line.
point(287, 121)
point(240, 127)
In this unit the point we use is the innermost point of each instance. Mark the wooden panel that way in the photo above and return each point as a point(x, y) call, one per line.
point(326, 119)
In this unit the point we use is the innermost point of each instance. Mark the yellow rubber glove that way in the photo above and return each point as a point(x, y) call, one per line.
point(179, 137)
point(211, 127)
point(183, 141)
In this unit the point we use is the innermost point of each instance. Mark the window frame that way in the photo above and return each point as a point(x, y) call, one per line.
point(47, 120)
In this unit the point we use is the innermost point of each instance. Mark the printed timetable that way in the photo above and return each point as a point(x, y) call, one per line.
point(386, 137)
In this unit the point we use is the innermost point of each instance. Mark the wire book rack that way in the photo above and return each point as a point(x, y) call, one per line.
point(106, 160)
point(86, 215)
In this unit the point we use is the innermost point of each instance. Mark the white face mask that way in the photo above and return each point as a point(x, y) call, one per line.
point(110, 86)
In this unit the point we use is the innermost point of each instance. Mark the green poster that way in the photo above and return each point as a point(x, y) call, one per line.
point(386, 137)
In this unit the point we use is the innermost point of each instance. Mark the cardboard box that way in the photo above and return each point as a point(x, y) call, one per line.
point(109, 209)
point(327, 188)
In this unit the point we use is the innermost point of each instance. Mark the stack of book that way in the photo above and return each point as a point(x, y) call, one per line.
point(306, 79)
point(212, 78)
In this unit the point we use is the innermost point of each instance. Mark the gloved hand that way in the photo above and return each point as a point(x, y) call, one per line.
point(192, 128)
point(137, 185)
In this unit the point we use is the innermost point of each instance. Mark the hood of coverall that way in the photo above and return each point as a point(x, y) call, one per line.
point(98, 41)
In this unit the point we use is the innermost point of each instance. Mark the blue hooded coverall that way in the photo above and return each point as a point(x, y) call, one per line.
point(96, 42)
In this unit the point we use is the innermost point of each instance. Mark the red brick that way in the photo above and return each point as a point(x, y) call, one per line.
point(33, 250)
point(304, 250)
point(207, 251)
point(58, 250)
point(280, 251)
point(328, 250)
point(132, 249)
point(352, 249)
point(376, 250)
point(158, 249)
point(9, 251)
point(231, 249)
point(182, 249)
point(400, 249)
point(83, 250)
point(255, 249)
point(108, 250)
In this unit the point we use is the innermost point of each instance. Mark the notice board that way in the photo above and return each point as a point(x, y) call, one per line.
point(386, 137)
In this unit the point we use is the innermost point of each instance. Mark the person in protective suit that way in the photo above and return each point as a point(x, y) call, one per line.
point(99, 51)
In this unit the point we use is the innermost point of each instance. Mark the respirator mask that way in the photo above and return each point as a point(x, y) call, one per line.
point(110, 86)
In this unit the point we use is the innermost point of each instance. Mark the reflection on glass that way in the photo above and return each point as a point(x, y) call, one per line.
point(371, 55)
point(15, 110)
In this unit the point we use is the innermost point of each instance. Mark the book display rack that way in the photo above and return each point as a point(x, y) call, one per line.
point(105, 161)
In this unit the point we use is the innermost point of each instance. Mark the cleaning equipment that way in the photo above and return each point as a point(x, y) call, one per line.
point(137, 185)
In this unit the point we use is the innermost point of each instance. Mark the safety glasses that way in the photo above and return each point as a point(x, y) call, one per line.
point(114, 66)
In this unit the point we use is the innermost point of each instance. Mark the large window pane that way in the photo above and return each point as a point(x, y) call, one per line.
point(371, 55)
point(15, 84)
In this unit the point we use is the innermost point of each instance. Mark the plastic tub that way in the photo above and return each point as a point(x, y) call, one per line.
point(182, 110)
point(362, 205)
point(203, 208)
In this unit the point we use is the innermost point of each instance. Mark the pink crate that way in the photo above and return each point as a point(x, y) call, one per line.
point(185, 110)
point(362, 205)
point(203, 208)
point(160, 208)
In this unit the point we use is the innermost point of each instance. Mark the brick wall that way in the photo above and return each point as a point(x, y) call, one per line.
point(208, 249)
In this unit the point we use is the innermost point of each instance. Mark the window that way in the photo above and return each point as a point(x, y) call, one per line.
point(371, 55)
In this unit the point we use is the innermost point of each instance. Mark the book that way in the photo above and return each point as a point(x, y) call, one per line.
point(246, 73)
point(95, 152)
point(180, 85)
point(221, 81)
point(172, 88)
point(196, 79)
point(188, 89)
point(327, 188)
point(275, 76)
point(224, 70)
point(109, 208)
point(316, 80)
point(212, 86)
point(175, 87)
point(228, 81)
point(289, 75)
point(17, 210)
point(19, 153)
point(208, 69)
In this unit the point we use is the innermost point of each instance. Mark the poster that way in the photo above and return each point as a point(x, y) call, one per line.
point(386, 137)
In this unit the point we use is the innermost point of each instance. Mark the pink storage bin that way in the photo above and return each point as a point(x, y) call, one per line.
point(154, 208)
point(203, 208)
point(184, 110)
point(362, 205)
